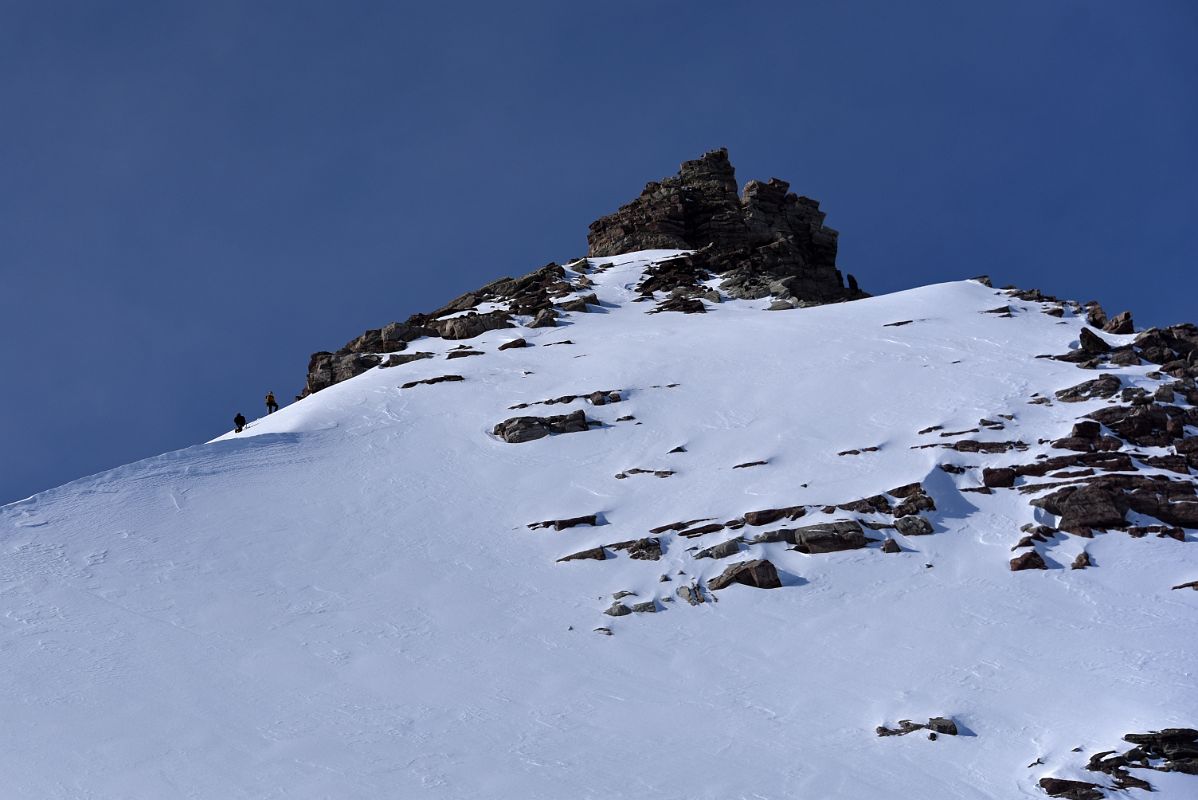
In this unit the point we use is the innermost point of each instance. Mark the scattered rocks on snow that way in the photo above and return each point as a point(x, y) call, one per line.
point(1167, 750)
point(1082, 561)
point(513, 344)
point(599, 398)
point(463, 353)
point(1178, 747)
point(971, 446)
point(1103, 500)
point(891, 546)
point(750, 464)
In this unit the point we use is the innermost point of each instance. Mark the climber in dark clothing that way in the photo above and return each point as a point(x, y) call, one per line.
point(239, 423)
point(271, 405)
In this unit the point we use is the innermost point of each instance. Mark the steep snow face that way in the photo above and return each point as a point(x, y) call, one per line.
point(347, 600)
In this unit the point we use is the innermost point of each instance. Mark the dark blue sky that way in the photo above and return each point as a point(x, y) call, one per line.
point(195, 196)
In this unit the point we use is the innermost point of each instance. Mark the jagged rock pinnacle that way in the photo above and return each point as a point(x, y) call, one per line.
point(765, 237)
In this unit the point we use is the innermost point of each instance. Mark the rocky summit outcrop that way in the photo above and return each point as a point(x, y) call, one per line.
point(766, 241)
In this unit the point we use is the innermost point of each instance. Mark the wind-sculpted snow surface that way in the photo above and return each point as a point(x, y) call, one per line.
point(797, 527)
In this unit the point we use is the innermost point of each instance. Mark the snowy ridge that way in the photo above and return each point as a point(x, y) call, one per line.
point(347, 599)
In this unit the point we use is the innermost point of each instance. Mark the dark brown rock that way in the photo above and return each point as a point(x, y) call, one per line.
point(640, 549)
point(722, 550)
point(326, 369)
point(1104, 386)
point(1088, 506)
point(999, 477)
point(1092, 343)
point(1120, 323)
point(431, 381)
point(877, 504)
point(699, 531)
point(913, 525)
point(768, 515)
point(595, 553)
point(830, 537)
point(1028, 560)
point(545, 318)
point(471, 325)
point(514, 343)
point(758, 573)
point(618, 609)
point(526, 429)
point(943, 725)
point(691, 594)
point(399, 359)
point(563, 524)
point(1071, 790)
point(914, 503)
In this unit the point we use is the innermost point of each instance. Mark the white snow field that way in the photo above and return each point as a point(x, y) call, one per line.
point(345, 600)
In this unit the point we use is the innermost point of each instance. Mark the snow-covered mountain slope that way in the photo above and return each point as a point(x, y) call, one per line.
point(347, 601)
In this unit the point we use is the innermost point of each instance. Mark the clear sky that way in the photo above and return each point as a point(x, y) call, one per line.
point(195, 196)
